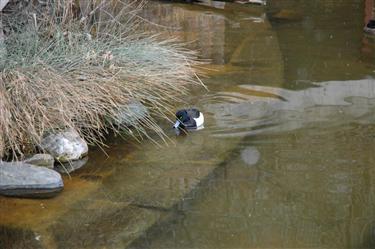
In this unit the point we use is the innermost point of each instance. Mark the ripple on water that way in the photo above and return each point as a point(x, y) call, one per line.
point(331, 103)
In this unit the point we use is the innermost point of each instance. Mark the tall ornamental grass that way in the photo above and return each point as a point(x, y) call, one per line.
point(71, 64)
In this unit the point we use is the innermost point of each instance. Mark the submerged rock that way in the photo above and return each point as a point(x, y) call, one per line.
point(65, 146)
point(25, 180)
point(43, 160)
point(71, 166)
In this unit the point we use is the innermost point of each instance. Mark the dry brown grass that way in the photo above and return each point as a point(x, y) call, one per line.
point(68, 68)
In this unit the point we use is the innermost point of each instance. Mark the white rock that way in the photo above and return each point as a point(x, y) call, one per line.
point(65, 146)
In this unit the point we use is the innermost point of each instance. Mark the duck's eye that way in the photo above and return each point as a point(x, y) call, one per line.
point(181, 117)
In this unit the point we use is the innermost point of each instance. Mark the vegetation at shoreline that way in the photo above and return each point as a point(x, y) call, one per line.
point(69, 66)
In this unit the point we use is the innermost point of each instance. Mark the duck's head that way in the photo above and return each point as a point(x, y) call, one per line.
point(371, 24)
point(182, 117)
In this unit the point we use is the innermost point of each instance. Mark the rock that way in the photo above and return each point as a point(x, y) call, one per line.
point(71, 166)
point(130, 114)
point(65, 146)
point(3, 3)
point(25, 180)
point(43, 160)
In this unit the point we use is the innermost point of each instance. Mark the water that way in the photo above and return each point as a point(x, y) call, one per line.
point(290, 120)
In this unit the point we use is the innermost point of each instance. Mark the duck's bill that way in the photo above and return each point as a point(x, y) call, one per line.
point(177, 124)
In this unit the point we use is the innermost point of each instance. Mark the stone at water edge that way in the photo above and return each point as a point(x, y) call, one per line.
point(42, 160)
point(19, 179)
point(65, 146)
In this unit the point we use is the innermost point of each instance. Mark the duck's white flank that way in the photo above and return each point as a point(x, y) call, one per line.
point(177, 124)
point(200, 120)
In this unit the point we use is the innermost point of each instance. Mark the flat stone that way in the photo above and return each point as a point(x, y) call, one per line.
point(65, 146)
point(25, 180)
point(43, 160)
point(102, 224)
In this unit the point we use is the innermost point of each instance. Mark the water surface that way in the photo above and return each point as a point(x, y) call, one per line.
point(294, 81)
point(289, 137)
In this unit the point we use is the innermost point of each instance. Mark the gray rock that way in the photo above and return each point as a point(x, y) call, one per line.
point(65, 146)
point(43, 160)
point(130, 114)
point(25, 180)
point(71, 166)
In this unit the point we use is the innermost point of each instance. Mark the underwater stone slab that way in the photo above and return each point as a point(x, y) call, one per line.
point(99, 223)
point(65, 146)
point(42, 160)
point(160, 179)
point(25, 180)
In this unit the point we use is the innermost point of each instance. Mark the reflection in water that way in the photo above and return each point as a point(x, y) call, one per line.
point(333, 103)
point(205, 31)
point(250, 155)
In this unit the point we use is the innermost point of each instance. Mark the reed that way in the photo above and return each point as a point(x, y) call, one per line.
point(70, 66)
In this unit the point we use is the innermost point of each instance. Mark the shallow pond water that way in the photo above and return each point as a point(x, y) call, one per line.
point(286, 159)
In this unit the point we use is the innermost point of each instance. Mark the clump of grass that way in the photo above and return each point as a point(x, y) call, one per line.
point(65, 67)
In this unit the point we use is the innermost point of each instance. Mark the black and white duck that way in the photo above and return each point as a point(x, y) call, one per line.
point(370, 27)
point(189, 119)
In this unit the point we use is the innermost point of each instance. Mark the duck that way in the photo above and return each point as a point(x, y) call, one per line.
point(189, 119)
point(370, 27)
